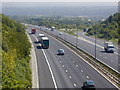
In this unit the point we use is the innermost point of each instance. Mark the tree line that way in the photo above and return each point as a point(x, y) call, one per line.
point(58, 22)
point(16, 72)
point(107, 29)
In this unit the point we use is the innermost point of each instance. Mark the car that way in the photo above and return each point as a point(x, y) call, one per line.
point(88, 84)
point(60, 33)
point(61, 52)
point(46, 28)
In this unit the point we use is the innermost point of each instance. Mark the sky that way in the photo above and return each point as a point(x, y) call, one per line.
point(59, 0)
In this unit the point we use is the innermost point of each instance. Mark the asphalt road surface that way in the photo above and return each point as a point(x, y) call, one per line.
point(88, 45)
point(63, 71)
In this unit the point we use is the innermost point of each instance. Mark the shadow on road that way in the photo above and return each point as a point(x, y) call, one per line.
point(60, 54)
point(106, 52)
point(36, 42)
point(30, 33)
point(102, 51)
point(38, 47)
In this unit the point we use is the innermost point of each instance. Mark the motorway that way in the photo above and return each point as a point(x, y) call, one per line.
point(67, 71)
point(87, 44)
point(100, 43)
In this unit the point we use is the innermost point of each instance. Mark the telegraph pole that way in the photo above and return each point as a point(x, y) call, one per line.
point(95, 43)
point(76, 36)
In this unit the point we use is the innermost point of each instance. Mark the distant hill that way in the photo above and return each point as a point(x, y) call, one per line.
point(91, 10)
point(107, 29)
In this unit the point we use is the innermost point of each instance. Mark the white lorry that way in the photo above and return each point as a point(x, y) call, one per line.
point(45, 42)
point(52, 28)
point(108, 47)
point(40, 37)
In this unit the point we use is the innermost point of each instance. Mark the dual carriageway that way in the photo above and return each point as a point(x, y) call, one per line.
point(69, 70)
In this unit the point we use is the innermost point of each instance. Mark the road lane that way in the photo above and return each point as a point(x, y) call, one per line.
point(109, 59)
point(100, 43)
point(45, 79)
point(75, 71)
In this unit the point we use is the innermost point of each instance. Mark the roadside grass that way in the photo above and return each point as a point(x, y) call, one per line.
point(115, 41)
point(70, 31)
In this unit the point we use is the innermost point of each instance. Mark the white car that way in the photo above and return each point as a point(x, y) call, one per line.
point(60, 33)
point(46, 28)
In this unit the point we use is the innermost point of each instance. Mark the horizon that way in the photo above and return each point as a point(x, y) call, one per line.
point(23, 4)
point(59, 9)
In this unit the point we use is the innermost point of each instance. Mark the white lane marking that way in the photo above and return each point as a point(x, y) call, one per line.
point(53, 78)
point(81, 70)
point(116, 53)
point(86, 62)
point(74, 84)
point(76, 65)
point(50, 70)
point(90, 65)
point(87, 77)
point(35, 37)
point(83, 39)
point(63, 66)
point(70, 77)
point(60, 61)
point(35, 80)
point(66, 70)
point(93, 43)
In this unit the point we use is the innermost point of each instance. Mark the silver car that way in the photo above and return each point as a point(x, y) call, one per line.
point(61, 52)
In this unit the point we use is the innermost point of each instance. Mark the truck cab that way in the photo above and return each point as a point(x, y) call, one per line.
point(33, 30)
point(52, 29)
point(108, 47)
point(45, 42)
point(40, 37)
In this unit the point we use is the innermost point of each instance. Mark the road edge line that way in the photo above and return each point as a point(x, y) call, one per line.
point(34, 68)
point(53, 78)
point(86, 62)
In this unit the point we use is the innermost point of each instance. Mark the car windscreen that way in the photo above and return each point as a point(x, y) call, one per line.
point(90, 83)
point(46, 42)
point(111, 46)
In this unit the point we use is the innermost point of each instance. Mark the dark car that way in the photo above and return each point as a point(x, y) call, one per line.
point(88, 85)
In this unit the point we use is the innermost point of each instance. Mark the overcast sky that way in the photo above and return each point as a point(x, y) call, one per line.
point(60, 0)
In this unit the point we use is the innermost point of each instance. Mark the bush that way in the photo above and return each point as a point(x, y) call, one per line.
point(16, 71)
